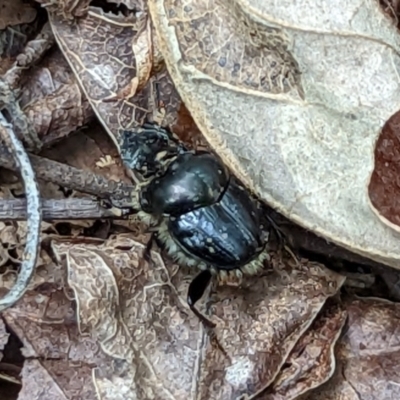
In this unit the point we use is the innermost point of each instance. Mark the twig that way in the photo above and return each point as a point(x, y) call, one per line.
point(65, 209)
point(34, 213)
point(72, 178)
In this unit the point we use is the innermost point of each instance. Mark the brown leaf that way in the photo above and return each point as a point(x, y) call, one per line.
point(139, 314)
point(384, 187)
point(52, 104)
point(112, 56)
point(15, 12)
point(259, 325)
point(67, 8)
point(185, 128)
point(135, 314)
point(53, 100)
point(56, 380)
point(312, 361)
point(60, 360)
point(99, 49)
point(367, 355)
point(12, 242)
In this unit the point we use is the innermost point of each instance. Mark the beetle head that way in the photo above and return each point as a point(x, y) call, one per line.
point(147, 150)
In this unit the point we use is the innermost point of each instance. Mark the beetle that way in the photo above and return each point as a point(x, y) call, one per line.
point(199, 213)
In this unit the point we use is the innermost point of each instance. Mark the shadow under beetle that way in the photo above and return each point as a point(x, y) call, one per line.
point(199, 213)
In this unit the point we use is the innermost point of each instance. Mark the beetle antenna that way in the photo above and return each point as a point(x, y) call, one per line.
point(147, 250)
point(196, 291)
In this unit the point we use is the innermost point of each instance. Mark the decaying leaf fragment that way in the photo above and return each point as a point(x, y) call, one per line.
point(49, 97)
point(15, 12)
point(383, 188)
point(100, 50)
point(367, 355)
point(114, 58)
point(259, 325)
point(4, 368)
point(59, 360)
point(139, 316)
point(69, 9)
point(53, 100)
point(312, 360)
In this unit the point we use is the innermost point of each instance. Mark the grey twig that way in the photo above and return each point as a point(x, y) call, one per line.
point(63, 209)
point(34, 213)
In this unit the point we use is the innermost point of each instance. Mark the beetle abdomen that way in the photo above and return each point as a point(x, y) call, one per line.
point(226, 234)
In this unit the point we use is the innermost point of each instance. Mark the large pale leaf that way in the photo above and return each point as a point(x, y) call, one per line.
point(293, 96)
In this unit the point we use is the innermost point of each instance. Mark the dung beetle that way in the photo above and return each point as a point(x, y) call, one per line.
point(198, 212)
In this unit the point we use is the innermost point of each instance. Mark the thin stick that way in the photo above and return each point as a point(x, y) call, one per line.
point(63, 209)
point(70, 177)
point(34, 215)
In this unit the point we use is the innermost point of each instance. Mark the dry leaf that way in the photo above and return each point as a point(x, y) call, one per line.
point(367, 355)
point(260, 324)
point(48, 93)
point(56, 380)
point(67, 8)
point(384, 186)
point(53, 100)
point(99, 49)
point(139, 314)
point(59, 360)
point(112, 57)
point(312, 361)
point(15, 12)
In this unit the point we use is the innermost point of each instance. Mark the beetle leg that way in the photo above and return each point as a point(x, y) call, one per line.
point(147, 251)
point(196, 290)
point(120, 211)
point(282, 241)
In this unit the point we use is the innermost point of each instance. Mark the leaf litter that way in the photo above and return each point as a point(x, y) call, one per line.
point(98, 322)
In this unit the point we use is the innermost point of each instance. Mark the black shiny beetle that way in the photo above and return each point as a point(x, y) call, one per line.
point(199, 213)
